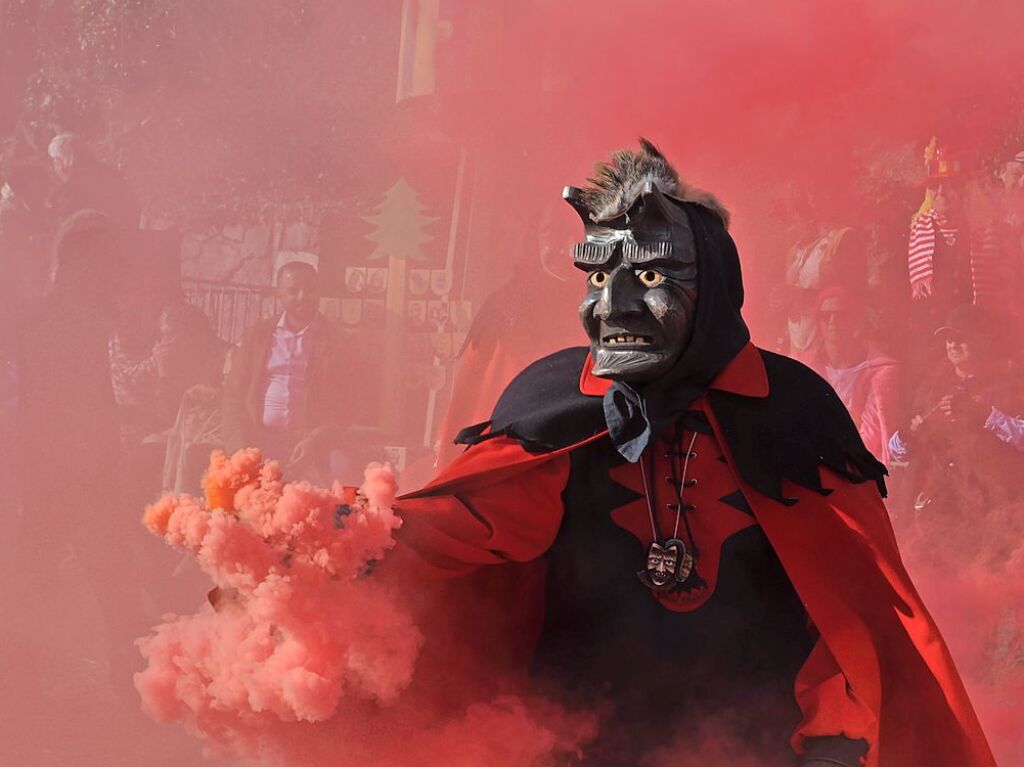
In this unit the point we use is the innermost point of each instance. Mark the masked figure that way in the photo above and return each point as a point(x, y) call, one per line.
point(715, 545)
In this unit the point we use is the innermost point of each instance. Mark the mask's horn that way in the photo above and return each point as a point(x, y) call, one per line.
point(574, 197)
point(661, 203)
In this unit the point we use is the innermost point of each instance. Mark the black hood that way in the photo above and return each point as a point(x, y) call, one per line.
point(544, 412)
point(635, 414)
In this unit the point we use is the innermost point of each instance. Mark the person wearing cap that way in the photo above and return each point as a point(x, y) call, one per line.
point(966, 435)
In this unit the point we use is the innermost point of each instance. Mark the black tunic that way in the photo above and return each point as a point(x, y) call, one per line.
point(665, 674)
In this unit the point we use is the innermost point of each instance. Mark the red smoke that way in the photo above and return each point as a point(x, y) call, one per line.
point(979, 605)
point(786, 110)
point(303, 659)
point(290, 631)
point(302, 655)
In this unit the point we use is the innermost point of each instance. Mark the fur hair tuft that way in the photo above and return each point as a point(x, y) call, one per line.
point(617, 183)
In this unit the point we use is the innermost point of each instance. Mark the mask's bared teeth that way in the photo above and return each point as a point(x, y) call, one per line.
point(626, 338)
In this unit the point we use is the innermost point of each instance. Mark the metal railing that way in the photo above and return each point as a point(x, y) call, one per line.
point(231, 308)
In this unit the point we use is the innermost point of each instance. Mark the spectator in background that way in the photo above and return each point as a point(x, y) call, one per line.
point(513, 328)
point(133, 374)
point(149, 387)
point(965, 439)
point(284, 390)
point(1005, 229)
point(865, 379)
point(86, 183)
point(25, 234)
point(68, 441)
point(1011, 174)
point(952, 258)
point(65, 375)
point(1010, 210)
point(190, 360)
point(938, 254)
point(133, 340)
point(187, 354)
point(821, 260)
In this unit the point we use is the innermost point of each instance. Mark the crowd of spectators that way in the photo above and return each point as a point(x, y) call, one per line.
point(104, 359)
point(931, 372)
point(112, 383)
point(114, 388)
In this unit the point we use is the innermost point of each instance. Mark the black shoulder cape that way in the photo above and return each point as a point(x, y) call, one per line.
point(800, 426)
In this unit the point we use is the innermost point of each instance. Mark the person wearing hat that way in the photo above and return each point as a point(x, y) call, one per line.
point(831, 257)
point(940, 262)
point(965, 439)
point(1011, 174)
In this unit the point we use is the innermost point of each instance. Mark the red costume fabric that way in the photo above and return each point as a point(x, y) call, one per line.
point(879, 670)
point(511, 330)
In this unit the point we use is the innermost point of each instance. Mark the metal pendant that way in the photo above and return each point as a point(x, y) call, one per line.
point(668, 564)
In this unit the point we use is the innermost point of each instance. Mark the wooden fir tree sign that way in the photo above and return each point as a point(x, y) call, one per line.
point(399, 237)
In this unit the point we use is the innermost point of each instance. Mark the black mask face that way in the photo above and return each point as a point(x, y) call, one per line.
point(641, 297)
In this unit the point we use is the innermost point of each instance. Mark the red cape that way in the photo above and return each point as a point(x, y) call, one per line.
point(863, 602)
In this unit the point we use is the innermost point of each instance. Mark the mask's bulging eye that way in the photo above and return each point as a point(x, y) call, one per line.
point(650, 278)
point(598, 279)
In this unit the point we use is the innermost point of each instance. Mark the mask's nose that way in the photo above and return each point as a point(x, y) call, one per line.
point(622, 296)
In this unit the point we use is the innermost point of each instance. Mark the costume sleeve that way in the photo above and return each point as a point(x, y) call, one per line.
point(512, 520)
point(921, 249)
point(897, 448)
point(880, 412)
point(836, 724)
point(1009, 429)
